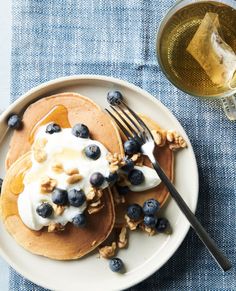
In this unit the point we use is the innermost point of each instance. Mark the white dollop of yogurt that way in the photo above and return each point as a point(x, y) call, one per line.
point(67, 149)
point(151, 179)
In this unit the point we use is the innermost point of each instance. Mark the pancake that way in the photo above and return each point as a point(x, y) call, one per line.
point(64, 108)
point(72, 243)
point(165, 158)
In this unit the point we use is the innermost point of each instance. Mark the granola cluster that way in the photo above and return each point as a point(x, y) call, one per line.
point(121, 242)
point(170, 138)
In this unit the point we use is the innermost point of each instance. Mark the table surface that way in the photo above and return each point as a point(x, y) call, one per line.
point(5, 38)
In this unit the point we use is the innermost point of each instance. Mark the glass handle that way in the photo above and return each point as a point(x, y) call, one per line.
point(229, 106)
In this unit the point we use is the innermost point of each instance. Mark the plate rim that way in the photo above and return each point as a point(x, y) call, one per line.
point(92, 77)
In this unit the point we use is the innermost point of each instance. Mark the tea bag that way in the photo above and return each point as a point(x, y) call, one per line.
point(214, 55)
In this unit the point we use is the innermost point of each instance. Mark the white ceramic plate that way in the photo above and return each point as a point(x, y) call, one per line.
point(145, 255)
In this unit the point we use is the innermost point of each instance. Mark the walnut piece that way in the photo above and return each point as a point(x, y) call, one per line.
point(55, 227)
point(159, 137)
point(57, 167)
point(95, 209)
point(122, 242)
point(131, 223)
point(40, 155)
point(74, 178)
point(149, 230)
point(59, 209)
point(94, 194)
point(72, 171)
point(47, 184)
point(108, 251)
point(116, 161)
point(175, 140)
point(135, 157)
point(40, 143)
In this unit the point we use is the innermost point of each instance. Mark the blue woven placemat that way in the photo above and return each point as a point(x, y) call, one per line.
point(117, 38)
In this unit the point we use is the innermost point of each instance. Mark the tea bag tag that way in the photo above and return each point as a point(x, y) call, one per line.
point(214, 55)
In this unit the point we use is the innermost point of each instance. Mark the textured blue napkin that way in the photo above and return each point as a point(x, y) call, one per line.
point(117, 38)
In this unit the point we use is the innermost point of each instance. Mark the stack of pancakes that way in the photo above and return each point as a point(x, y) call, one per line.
point(72, 243)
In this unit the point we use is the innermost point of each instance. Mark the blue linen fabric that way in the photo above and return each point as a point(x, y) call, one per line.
point(54, 38)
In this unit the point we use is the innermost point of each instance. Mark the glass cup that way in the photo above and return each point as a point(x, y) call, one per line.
point(174, 34)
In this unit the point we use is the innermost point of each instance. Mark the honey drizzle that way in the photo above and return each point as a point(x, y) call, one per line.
point(17, 185)
point(58, 114)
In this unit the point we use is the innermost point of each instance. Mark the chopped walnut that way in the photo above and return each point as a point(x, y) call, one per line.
point(175, 140)
point(122, 242)
point(94, 194)
point(72, 171)
point(91, 194)
point(57, 167)
point(74, 178)
point(108, 251)
point(47, 184)
point(96, 203)
point(95, 209)
point(116, 161)
point(39, 144)
point(135, 157)
point(149, 230)
point(118, 199)
point(55, 227)
point(40, 155)
point(38, 150)
point(59, 209)
point(159, 137)
point(131, 223)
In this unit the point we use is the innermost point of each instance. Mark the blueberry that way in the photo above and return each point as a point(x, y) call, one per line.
point(14, 121)
point(112, 178)
point(150, 220)
point(136, 177)
point(59, 196)
point(134, 211)
point(122, 190)
point(114, 97)
point(80, 130)
point(1, 181)
point(151, 206)
point(129, 165)
point(76, 197)
point(131, 146)
point(44, 210)
point(96, 179)
point(93, 151)
point(116, 265)
point(53, 128)
point(162, 224)
point(79, 220)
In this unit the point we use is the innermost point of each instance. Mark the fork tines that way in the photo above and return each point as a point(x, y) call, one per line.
point(129, 122)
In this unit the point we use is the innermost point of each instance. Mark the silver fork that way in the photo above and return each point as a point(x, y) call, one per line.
point(133, 127)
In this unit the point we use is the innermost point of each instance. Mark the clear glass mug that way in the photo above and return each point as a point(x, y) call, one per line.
point(174, 34)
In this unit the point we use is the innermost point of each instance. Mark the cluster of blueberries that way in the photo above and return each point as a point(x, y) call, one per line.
point(72, 197)
point(148, 213)
point(62, 197)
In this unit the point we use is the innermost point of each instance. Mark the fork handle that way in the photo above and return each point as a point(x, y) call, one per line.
point(216, 253)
